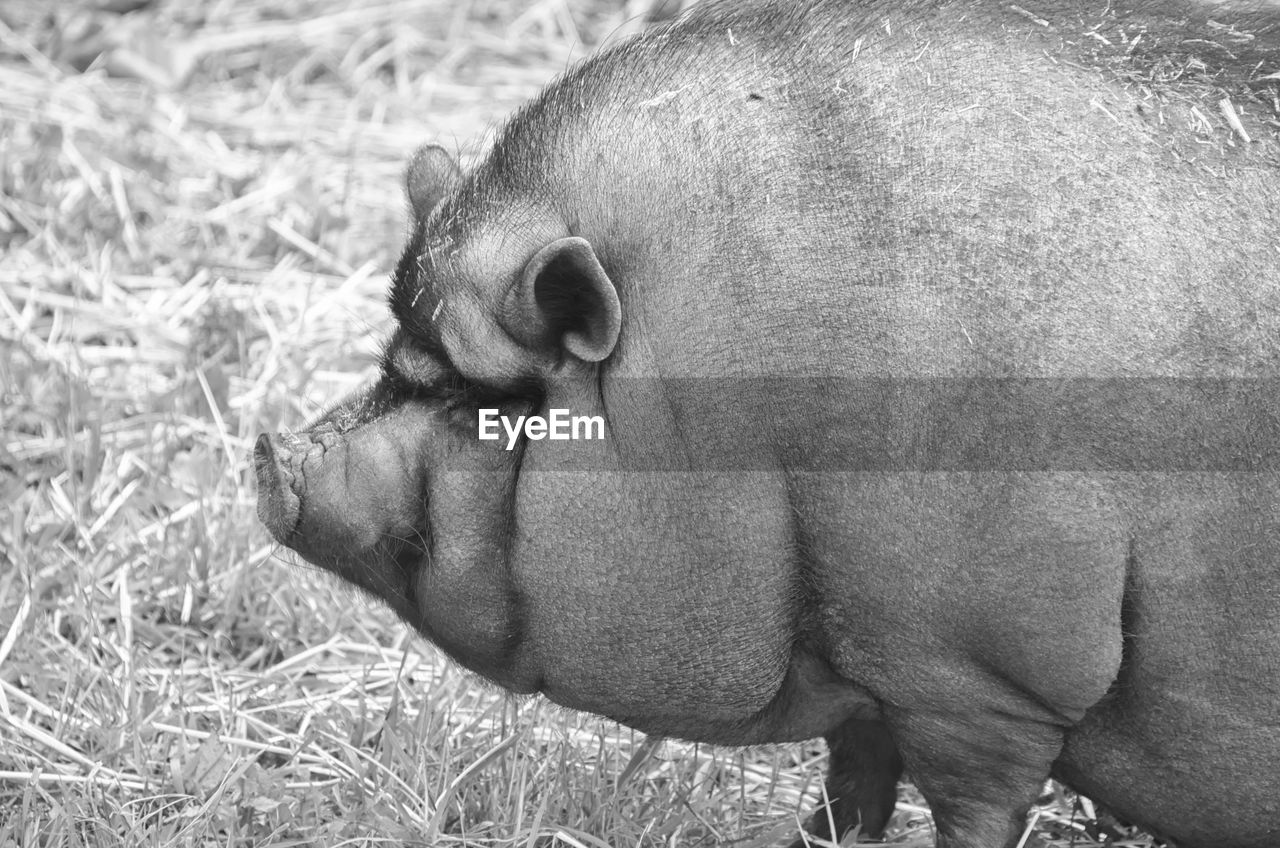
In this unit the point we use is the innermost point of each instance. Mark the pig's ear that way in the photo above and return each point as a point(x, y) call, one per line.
point(565, 300)
point(431, 175)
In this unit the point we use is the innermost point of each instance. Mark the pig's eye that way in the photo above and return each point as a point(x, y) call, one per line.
point(460, 393)
point(420, 374)
point(413, 370)
point(418, 371)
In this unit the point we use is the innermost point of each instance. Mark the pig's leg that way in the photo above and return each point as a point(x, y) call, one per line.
point(980, 772)
point(862, 781)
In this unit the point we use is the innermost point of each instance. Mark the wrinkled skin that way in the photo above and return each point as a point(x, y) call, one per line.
point(903, 319)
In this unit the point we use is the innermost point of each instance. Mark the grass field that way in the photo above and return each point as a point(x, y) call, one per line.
point(199, 206)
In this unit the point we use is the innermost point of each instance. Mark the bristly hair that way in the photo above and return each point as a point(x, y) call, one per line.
point(406, 282)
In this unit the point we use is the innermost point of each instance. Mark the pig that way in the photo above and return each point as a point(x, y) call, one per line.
point(935, 346)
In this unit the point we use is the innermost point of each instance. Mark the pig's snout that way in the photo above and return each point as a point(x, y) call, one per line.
point(279, 507)
point(333, 496)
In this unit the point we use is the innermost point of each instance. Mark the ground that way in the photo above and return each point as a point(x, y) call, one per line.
point(199, 206)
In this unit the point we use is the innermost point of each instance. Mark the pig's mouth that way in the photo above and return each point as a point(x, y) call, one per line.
point(279, 504)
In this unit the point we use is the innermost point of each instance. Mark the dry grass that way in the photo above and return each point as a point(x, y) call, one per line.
point(198, 207)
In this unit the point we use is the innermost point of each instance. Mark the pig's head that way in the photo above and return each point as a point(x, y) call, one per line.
point(392, 490)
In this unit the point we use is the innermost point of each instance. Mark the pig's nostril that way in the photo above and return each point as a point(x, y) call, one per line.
point(278, 505)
